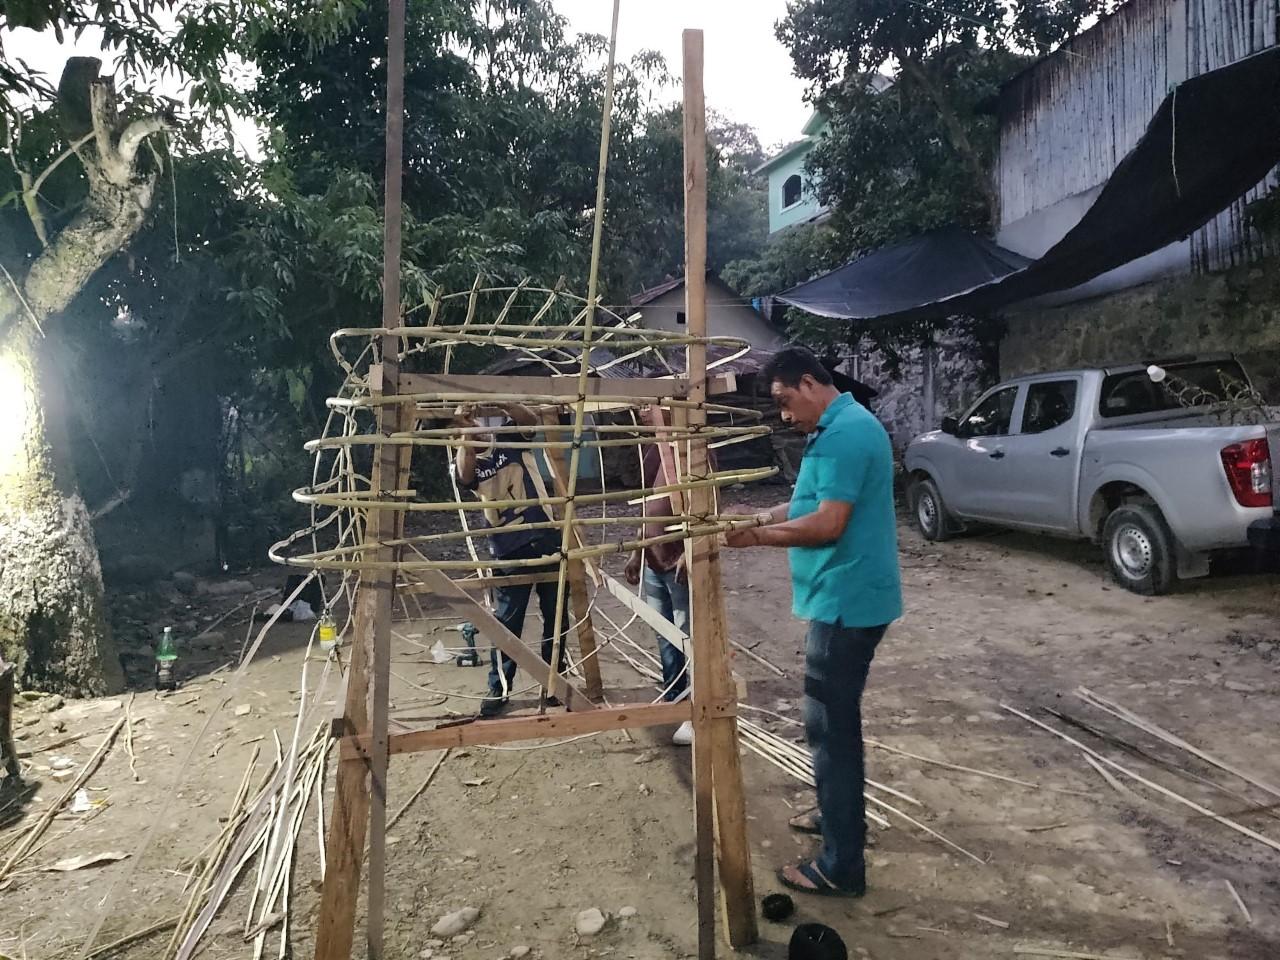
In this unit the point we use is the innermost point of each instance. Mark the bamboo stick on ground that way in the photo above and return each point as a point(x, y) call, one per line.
point(1128, 716)
point(1238, 828)
point(129, 938)
point(421, 789)
point(1231, 887)
point(1066, 954)
point(42, 824)
point(962, 769)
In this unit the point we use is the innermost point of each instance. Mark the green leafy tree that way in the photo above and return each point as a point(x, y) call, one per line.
point(916, 154)
point(81, 174)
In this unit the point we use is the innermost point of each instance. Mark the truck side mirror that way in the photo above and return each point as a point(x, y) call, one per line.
point(950, 426)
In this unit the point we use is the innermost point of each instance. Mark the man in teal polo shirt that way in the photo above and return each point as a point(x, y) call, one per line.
point(841, 535)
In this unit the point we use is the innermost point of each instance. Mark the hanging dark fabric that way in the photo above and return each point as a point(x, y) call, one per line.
point(1213, 137)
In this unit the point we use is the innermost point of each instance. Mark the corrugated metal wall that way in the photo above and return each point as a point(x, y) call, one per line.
point(1066, 122)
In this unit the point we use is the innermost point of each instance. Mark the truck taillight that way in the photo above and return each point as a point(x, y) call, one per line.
point(1248, 467)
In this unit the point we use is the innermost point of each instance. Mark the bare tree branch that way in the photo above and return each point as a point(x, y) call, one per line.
point(137, 132)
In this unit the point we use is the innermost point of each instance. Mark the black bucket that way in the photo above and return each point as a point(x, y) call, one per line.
point(815, 941)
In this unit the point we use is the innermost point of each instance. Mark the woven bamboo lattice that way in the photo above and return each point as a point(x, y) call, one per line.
point(537, 326)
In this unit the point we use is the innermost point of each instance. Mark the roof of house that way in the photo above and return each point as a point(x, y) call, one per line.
point(789, 150)
point(653, 293)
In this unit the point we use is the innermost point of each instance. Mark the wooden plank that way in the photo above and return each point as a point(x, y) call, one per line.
point(537, 727)
point(695, 246)
point(579, 598)
point(715, 738)
point(498, 635)
point(652, 618)
point(349, 820)
point(654, 388)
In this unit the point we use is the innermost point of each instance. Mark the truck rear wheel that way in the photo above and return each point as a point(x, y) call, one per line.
point(1140, 549)
point(929, 512)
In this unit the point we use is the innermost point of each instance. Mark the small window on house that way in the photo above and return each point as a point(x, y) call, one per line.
point(791, 190)
point(680, 317)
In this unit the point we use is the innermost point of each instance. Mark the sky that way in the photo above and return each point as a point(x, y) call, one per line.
point(748, 74)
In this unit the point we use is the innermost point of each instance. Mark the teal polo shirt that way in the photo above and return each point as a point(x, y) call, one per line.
point(853, 582)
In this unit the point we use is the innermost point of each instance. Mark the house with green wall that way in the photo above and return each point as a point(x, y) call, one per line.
point(791, 197)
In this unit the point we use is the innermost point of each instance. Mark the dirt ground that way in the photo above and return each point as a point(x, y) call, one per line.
point(531, 837)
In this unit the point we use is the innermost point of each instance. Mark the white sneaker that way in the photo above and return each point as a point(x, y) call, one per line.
point(684, 734)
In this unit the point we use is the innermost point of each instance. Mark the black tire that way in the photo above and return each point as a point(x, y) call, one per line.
point(1139, 549)
point(928, 512)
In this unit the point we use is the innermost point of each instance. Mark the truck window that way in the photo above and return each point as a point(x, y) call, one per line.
point(1186, 385)
point(1049, 405)
point(991, 417)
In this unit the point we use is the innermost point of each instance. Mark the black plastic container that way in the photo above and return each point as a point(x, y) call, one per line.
point(815, 941)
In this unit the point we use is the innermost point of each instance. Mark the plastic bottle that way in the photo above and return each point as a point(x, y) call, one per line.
point(328, 633)
point(166, 657)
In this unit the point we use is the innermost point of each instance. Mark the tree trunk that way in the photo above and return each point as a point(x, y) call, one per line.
point(52, 620)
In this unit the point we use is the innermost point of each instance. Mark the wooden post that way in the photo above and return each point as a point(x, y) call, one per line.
point(361, 805)
point(714, 695)
point(578, 596)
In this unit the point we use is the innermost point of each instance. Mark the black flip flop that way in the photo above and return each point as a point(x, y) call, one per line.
point(822, 887)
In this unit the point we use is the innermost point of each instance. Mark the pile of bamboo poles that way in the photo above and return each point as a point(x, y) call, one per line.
point(794, 760)
point(263, 828)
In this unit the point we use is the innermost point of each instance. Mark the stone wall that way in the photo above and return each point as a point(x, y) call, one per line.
point(1237, 311)
point(960, 374)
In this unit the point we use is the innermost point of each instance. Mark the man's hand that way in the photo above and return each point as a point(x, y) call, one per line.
point(632, 571)
point(742, 537)
point(465, 416)
point(682, 570)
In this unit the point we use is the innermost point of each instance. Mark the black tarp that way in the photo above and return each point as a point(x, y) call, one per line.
point(1213, 137)
point(899, 278)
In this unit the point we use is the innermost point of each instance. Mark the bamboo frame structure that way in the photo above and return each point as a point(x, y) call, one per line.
point(360, 500)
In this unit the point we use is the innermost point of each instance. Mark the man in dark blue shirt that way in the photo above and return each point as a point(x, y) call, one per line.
point(499, 475)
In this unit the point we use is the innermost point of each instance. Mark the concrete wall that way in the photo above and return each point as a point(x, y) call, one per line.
point(1237, 311)
point(727, 316)
point(1067, 121)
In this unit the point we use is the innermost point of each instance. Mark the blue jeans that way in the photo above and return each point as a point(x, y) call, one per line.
point(837, 660)
point(667, 595)
point(510, 605)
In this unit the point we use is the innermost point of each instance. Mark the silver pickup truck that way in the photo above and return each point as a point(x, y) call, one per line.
point(1161, 464)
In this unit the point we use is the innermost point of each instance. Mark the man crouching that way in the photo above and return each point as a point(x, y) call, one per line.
point(501, 475)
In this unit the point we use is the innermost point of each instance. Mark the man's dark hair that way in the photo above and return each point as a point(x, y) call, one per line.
point(791, 363)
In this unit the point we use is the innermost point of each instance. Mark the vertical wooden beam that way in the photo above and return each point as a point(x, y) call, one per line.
point(715, 722)
point(362, 804)
point(578, 596)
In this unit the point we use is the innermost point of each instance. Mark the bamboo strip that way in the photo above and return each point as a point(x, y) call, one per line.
point(879, 745)
point(42, 824)
point(421, 789)
point(1231, 887)
point(1128, 716)
point(129, 938)
point(1066, 954)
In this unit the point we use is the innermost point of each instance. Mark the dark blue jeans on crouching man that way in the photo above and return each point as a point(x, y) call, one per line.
point(511, 602)
point(837, 660)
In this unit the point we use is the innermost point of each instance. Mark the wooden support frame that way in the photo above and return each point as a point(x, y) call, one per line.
point(653, 388)
point(369, 738)
point(577, 579)
point(715, 740)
